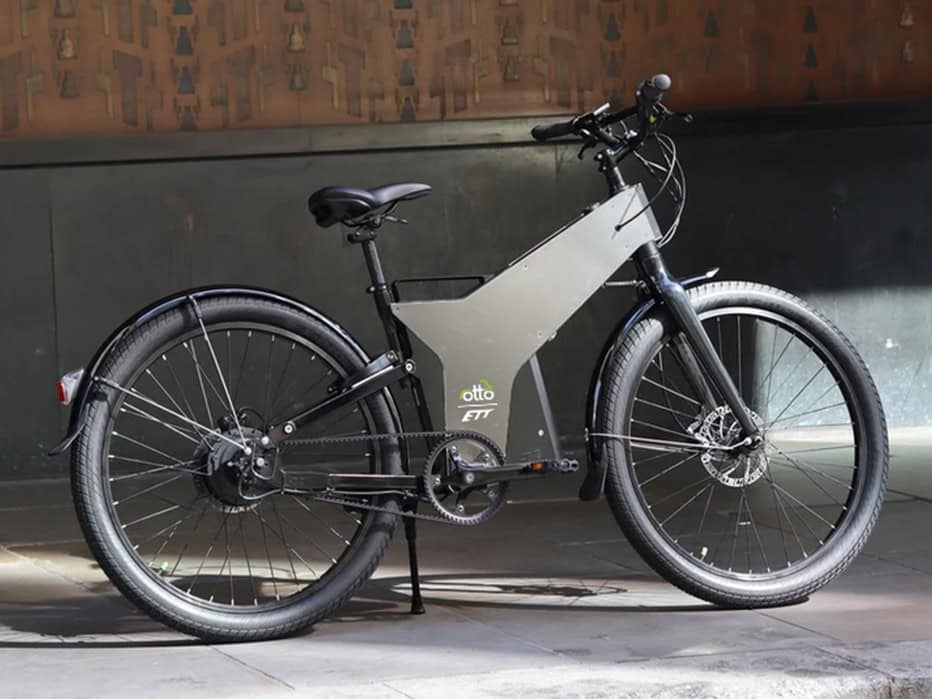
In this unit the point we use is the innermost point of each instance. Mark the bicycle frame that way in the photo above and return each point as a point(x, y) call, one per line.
point(484, 338)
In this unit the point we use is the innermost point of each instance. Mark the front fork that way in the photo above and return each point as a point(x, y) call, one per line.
point(695, 351)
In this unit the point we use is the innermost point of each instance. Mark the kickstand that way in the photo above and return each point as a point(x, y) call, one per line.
point(417, 604)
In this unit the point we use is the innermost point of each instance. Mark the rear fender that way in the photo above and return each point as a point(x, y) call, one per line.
point(82, 395)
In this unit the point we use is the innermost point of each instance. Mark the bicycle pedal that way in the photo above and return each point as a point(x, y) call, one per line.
point(553, 466)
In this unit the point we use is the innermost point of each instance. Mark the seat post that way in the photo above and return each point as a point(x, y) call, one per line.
point(380, 292)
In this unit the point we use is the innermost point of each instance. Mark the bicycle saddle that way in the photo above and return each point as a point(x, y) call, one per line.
point(343, 204)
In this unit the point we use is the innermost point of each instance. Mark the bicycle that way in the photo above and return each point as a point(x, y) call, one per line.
point(239, 462)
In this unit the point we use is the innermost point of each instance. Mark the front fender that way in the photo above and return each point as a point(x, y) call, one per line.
point(594, 483)
point(79, 405)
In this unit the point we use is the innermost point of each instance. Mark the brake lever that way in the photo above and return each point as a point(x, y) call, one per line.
point(590, 142)
point(685, 117)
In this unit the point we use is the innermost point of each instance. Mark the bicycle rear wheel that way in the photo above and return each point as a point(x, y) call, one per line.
point(160, 482)
point(738, 527)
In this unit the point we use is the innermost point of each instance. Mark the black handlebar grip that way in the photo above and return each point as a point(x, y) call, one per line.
point(543, 133)
point(651, 90)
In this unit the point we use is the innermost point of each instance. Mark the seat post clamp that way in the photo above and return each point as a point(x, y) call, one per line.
point(361, 234)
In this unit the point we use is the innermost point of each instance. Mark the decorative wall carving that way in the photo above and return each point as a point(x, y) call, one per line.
point(74, 67)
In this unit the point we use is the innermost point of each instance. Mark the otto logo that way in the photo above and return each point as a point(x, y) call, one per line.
point(479, 393)
point(477, 401)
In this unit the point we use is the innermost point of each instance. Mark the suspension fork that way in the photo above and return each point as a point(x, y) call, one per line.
point(696, 354)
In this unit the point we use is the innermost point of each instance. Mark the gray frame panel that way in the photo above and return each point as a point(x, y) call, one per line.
point(484, 338)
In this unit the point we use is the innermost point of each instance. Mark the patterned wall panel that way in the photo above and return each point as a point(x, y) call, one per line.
point(72, 67)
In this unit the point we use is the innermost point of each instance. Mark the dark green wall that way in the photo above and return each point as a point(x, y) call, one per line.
point(835, 207)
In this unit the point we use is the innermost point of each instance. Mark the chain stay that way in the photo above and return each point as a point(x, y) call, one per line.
point(291, 444)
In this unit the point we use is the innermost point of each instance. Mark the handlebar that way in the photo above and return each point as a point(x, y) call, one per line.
point(562, 128)
point(651, 91)
point(595, 124)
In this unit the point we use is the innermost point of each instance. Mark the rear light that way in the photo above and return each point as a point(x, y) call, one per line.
point(68, 386)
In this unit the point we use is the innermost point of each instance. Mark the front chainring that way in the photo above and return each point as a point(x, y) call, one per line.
point(452, 476)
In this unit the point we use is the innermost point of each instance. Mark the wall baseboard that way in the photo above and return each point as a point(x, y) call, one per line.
point(187, 145)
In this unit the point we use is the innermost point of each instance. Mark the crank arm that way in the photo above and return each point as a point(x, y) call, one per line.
point(474, 477)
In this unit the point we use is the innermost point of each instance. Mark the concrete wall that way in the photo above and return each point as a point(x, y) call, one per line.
point(838, 215)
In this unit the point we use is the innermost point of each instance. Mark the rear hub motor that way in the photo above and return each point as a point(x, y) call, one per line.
point(230, 477)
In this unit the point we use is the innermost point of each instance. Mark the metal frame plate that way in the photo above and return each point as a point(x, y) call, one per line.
point(484, 338)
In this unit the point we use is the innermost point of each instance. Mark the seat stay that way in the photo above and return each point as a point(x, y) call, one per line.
point(371, 379)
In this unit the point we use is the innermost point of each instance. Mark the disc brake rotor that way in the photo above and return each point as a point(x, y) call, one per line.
point(734, 468)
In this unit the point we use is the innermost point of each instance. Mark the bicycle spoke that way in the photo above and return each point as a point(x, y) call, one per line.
point(804, 506)
point(661, 455)
point(756, 533)
point(281, 529)
point(738, 337)
point(197, 524)
point(309, 539)
point(807, 451)
point(773, 365)
point(146, 518)
point(811, 412)
point(265, 542)
point(184, 396)
point(168, 395)
point(144, 491)
point(776, 507)
point(242, 366)
point(667, 470)
point(661, 429)
point(276, 393)
point(223, 383)
point(192, 352)
point(320, 519)
point(210, 548)
point(734, 539)
point(252, 582)
point(268, 377)
point(142, 414)
point(796, 464)
point(136, 394)
point(159, 467)
point(684, 505)
point(288, 549)
point(800, 392)
point(705, 511)
point(663, 407)
point(669, 390)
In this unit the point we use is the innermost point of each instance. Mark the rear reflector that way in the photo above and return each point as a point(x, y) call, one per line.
point(68, 386)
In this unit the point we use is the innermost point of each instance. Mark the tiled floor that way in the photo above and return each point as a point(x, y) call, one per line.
point(546, 597)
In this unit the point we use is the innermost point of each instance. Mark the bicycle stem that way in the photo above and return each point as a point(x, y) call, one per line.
point(698, 350)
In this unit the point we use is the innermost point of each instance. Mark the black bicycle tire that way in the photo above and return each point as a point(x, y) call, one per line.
point(92, 507)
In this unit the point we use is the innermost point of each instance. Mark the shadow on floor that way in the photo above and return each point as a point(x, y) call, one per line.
point(478, 590)
point(80, 620)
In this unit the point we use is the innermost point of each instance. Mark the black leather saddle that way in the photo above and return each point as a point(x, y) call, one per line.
point(350, 205)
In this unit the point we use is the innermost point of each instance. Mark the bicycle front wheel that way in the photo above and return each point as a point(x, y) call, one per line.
point(173, 498)
point(739, 527)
